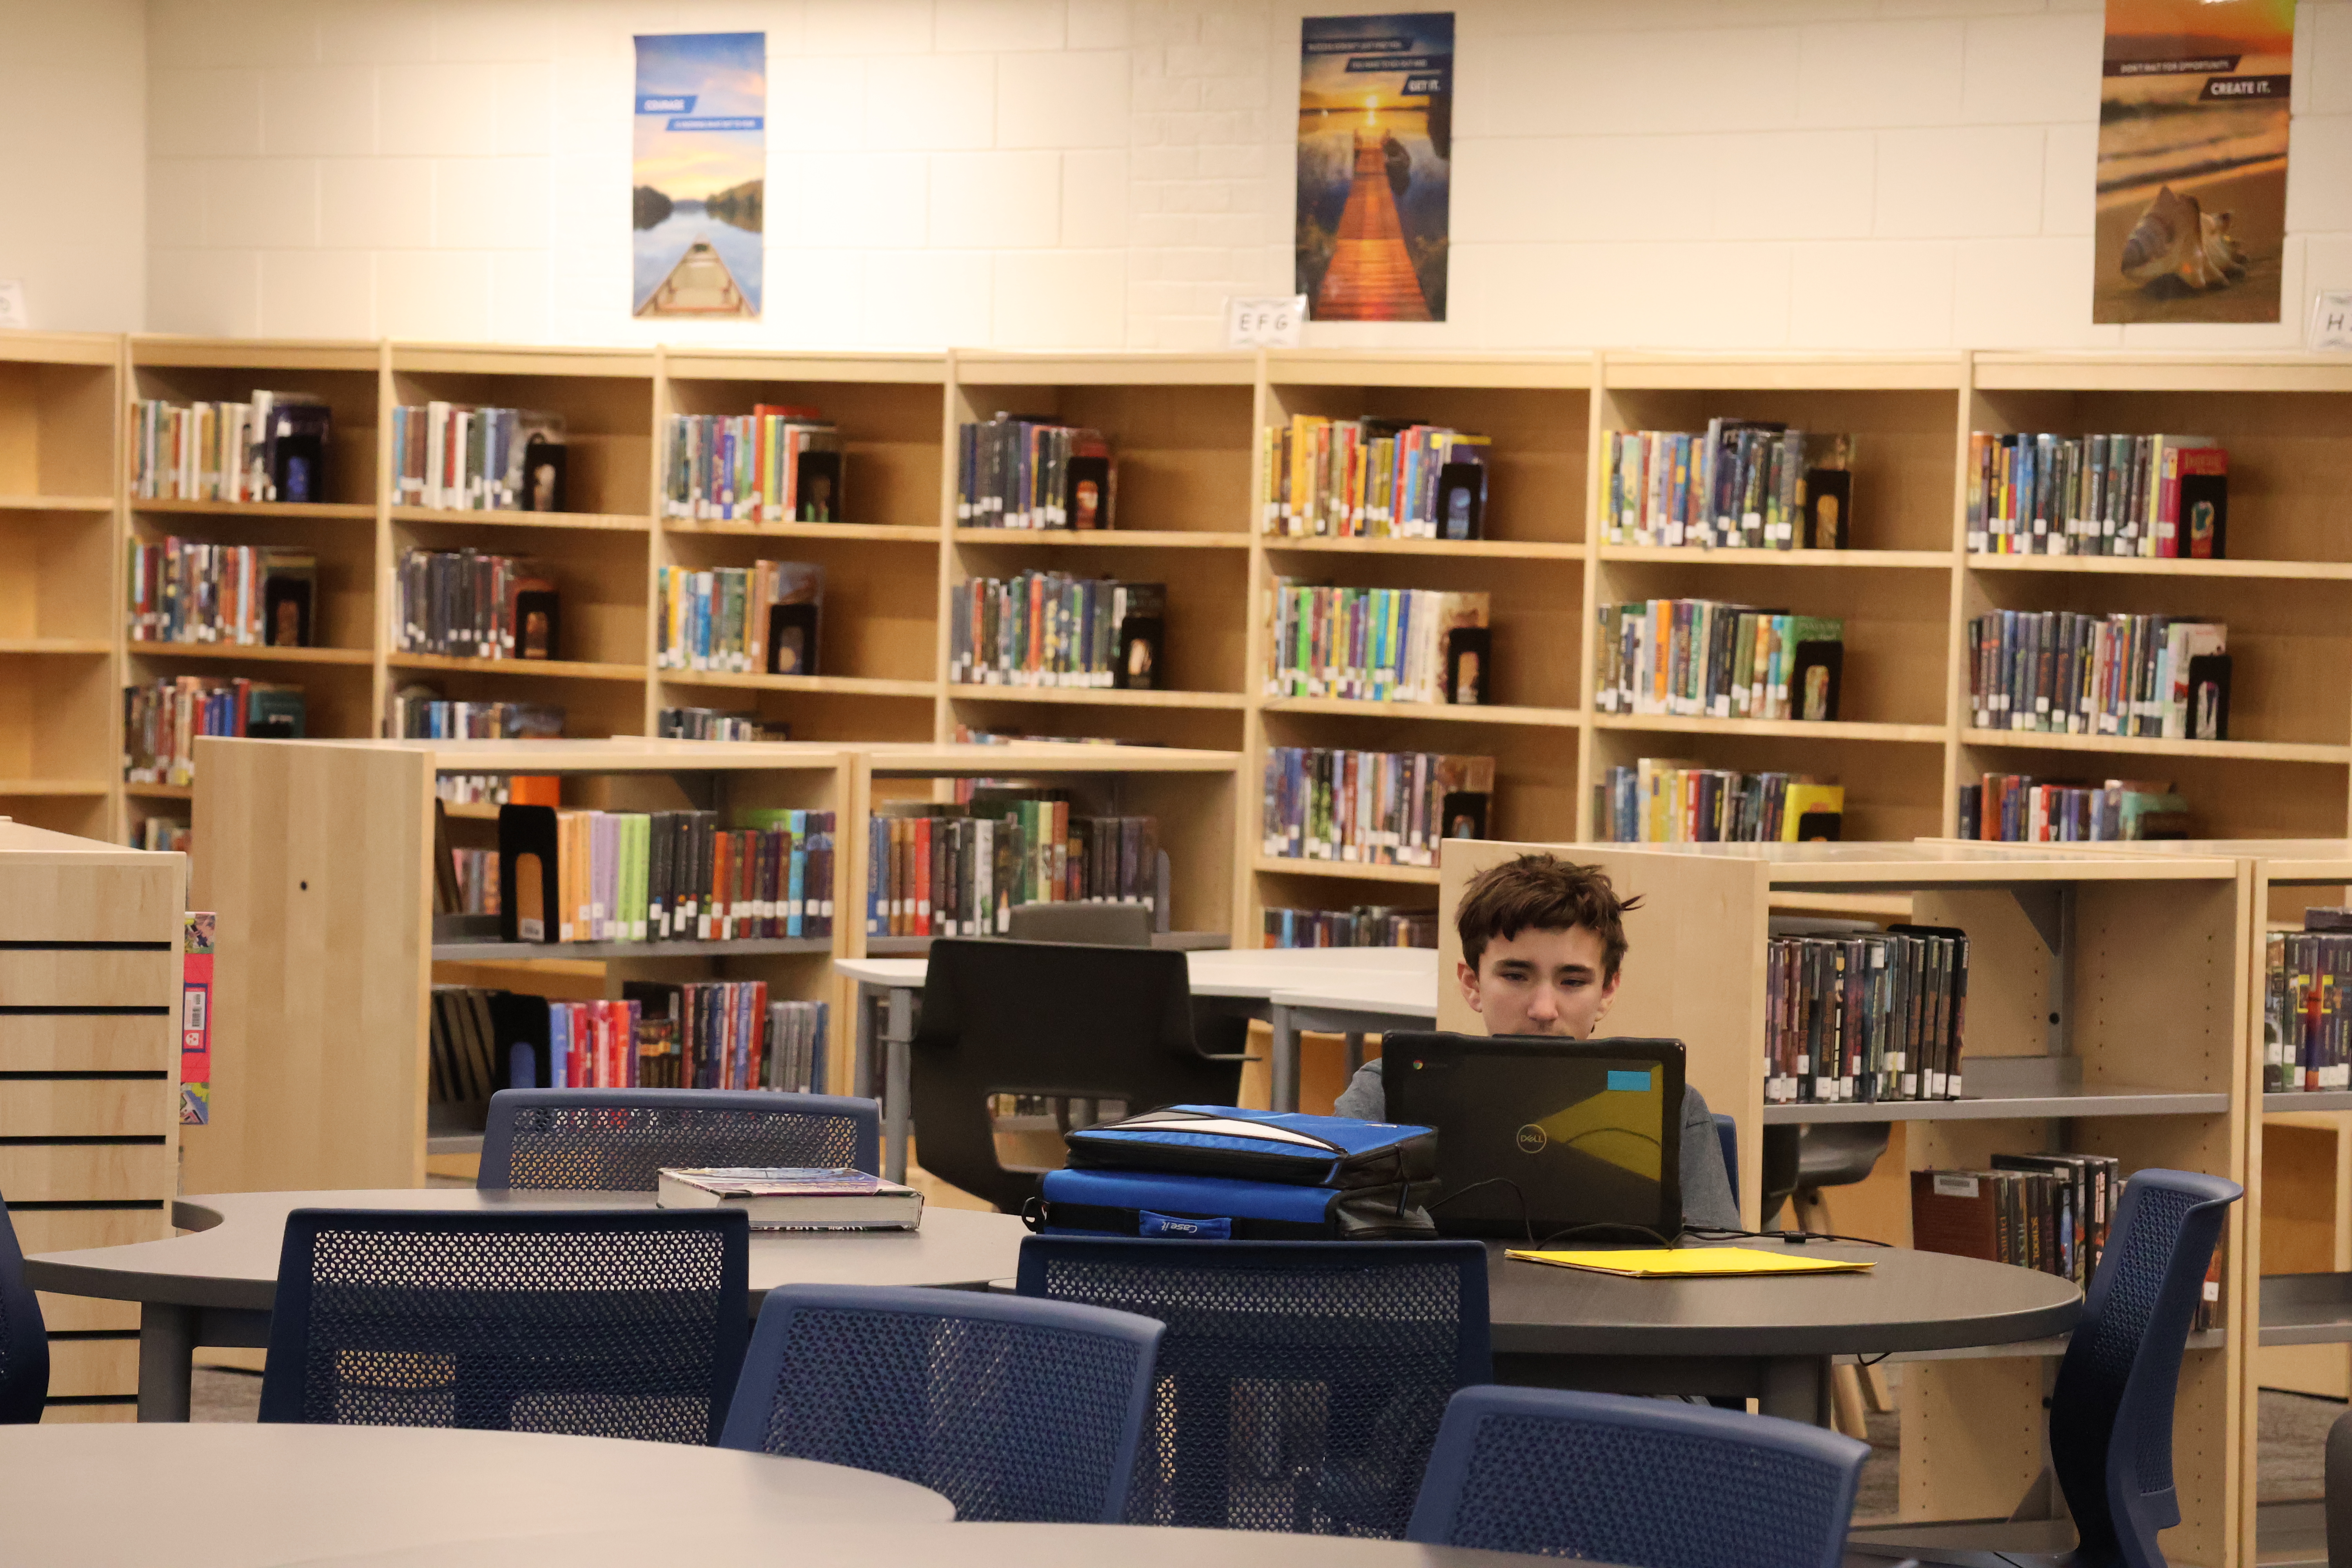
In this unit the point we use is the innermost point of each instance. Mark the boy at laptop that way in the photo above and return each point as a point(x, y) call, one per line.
point(1542, 943)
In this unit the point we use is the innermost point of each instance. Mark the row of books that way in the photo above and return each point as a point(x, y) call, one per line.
point(1865, 1015)
point(1050, 628)
point(2306, 1011)
point(192, 591)
point(2049, 1212)
point(163, 834)
point(1366, 925)
point(1372, 477)
point(959, 871)
point(478, 880)
point(703, 1035)
point(271, 447)
point(1666, 800)
point(1377, 645)
point(664, 876)
point(1381, 808)
point(2056, 671)
point(161, 720)
point(2033, 493)
point(465, 604)
point(2013, 809)
point(498, 789)
point(1743, 484)
point(460, 458)
point(419, 713)
point(775, 464)
point(1701, 658)
point(1015, 470)
point(761, 619)
point(718, 725)
point(727, 1035)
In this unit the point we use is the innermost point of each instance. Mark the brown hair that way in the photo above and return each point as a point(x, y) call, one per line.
point(1542, 893)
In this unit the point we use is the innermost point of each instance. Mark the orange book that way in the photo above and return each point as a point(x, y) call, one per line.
point(920, 867)
point(722, 871)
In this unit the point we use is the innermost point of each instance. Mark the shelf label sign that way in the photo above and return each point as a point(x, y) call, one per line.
point(1270, 322)
point(2331, 320)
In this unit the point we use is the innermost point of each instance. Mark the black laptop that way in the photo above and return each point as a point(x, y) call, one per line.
point(1537, 1134)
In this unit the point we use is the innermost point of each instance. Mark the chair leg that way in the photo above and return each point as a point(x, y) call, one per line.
point(1846, 1402)
point(1875, 1389)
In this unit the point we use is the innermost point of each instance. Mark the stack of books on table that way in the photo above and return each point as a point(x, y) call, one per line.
point(787, 1198)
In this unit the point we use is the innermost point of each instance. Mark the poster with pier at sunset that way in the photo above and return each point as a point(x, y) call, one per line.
point(1375, 166)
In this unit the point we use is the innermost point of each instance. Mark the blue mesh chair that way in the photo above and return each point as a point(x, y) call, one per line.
point(23, 1339)
point(1301, 1383)
point(617, 1140)
point(609, 1323)
point(2111, 1404)
point(1647, 1483)
point(1013, 1410)
point(1726, 1133)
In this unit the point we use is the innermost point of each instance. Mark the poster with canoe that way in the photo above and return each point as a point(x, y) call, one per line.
point(1375, 166)
point(701, 174)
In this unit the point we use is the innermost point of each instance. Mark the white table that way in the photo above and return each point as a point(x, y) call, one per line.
point(1352, 991)
point(236, 1496)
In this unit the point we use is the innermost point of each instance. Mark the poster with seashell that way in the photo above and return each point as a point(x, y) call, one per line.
point(2191, 197)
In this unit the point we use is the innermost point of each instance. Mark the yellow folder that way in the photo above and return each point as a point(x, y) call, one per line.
point(1695, 1262)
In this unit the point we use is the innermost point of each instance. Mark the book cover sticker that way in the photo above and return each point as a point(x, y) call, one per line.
point(701, 174)
point(1375, 161)
point(2192, 199)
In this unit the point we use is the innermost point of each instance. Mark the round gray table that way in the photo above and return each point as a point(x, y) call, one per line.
point(241, 1496)
point(832, 1545)
point(214, 1285)
point(1769, 1338)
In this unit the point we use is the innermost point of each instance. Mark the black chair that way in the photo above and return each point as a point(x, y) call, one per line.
point(24, 1337)
point(602, 1323)
point(1048, 1019)
point(2338, 1490)
point(1093, 924)
point(2111, 1405)
point(1301, 1383)
point(617, 1140)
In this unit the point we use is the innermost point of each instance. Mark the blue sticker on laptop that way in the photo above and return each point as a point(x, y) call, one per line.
point(1636, 1081)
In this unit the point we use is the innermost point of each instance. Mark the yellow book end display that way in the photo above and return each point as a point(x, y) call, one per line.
point(1694, 1262)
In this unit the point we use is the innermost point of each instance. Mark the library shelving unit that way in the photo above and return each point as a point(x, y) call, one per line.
point(90, 1056)
point(1532, 564)
point(58, 490)
point(321, 879)
point(1181, 428)
point(876, 669)
point(2285, 591)
point(2108, 999)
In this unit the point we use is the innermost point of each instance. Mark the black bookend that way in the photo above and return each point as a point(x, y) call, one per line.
point(298, 464)
point(286, 611)
point(538, 620)
point(1142, 633)
point(527, 868)
point(1466, 814)
point(1814, 680)
point(1469, 658)
point(1462, 500)
point(817, 487)
point(2209, 696)
point(1829, 499)
point(2204, 510)
point(791, 639)
point(544, 471)
point(1087, 498)
point(521, 1049)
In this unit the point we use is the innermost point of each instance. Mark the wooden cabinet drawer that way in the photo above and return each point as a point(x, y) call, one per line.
point(52, 1173)
point(57, 900)
point(86, 1108)
point(70, 1230)
point(88, 977)
point(93, 1366)
point(91, 1042)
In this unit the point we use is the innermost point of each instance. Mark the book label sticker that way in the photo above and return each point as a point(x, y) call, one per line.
point(1268, 322)
point(2331, 319)
point(195, 1019)
point(1955, 1185)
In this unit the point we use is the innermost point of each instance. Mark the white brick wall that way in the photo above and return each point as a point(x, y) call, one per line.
point(73, 161)
point(1702, 173)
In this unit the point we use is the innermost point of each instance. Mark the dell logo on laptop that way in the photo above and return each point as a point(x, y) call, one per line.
point(1532, 1138)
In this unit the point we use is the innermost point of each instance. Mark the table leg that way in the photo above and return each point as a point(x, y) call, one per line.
point(1286, 1059)
point(1796, 1389)
point(1355, 1038)
point(167, 1353)
point(861, 1069)
point(897, 1075)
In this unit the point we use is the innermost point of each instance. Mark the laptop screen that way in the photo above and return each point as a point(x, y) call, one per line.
point(1537, 1135)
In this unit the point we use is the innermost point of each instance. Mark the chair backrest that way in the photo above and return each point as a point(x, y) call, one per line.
point(1011, 1409)
point(2111, 1404)
point(2337, 1486)
point(1301, 1383)
point(24, 1337)
point(1093, 924)
point(617, 1140)
point(1647, 1483)
point(1047, 1018)
point(1726, 1133)
point(606, 1323)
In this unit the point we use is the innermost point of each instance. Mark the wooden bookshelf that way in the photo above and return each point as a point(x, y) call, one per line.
point(326, 950)
point(89, 1059)
point(2092, 1026)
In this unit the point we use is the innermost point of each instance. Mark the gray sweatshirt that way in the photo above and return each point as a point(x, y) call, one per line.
point(1707, 1188)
